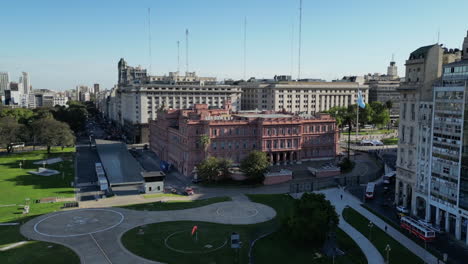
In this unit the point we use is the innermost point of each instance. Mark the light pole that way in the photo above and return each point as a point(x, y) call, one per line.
point(387, 249)
point(43, 164)
point(370, 225)
point(20, 164)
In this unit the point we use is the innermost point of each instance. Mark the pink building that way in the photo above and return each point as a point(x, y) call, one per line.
point(175, 136)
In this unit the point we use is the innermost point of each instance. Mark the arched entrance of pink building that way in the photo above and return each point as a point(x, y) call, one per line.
point(283, 157)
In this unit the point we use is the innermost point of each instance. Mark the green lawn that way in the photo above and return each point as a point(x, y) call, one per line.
point(15, 186)
point(380, 239)
point(390, 141)
point(151, 244)
point(175, 204)
point(277, 247)
point(33, 251)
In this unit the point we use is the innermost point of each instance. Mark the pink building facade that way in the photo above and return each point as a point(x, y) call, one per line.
point(175, 136)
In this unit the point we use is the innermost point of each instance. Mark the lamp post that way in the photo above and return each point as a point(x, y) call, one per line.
point(43, 164)
point(387, 249)
point(370, 225)
point(20, 164)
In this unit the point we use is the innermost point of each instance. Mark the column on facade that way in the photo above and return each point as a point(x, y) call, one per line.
point(466, 233)
point(397, 192)
point(428, 211)
point(447, 223)
point(284, 158)
point(437, 216)
point(322, 104)
point(291, 157)
point(458, 227)
point(405, 193)
point(271, 158)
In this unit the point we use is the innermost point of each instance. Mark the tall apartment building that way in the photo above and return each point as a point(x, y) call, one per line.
point(25, 83)
point(138, 97)
point(302, 96)
point(286, 138)
point(4, 83)
point(431, 178)
point(384, 88)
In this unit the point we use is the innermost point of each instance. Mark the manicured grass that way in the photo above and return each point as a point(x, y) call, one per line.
point(17, 184)
point(175, 204)
point(151, 244)
point(390, 141)
point(278, 248)
point(33, 251)
point(380, 239)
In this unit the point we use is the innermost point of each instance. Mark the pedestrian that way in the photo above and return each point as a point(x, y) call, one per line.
point(385, 228)
point(341, 196)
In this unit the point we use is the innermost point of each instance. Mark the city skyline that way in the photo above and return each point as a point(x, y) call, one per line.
point(81, 43)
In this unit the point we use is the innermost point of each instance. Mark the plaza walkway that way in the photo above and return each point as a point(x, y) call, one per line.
point(95, 234)
point(349, 200)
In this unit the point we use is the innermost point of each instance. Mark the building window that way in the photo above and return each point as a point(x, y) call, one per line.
point(446, 170)
point(403, 134)
point(411, 134)
point(403, 115)
point(214, 145)
point(413, 112)
point(254, 146)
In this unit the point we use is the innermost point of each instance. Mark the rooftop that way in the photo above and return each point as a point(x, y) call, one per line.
point(259, 115)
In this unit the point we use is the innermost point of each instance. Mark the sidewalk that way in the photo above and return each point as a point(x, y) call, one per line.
point(353, 202)
point(372, 254)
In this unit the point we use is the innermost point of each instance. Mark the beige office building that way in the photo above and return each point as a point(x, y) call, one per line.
point(301, 97)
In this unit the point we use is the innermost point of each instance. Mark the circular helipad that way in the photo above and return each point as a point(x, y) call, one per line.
point(237, 211)
point(205, 242)
point(78, 222)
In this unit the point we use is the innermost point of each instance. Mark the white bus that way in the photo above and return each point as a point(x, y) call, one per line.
point(370, 190)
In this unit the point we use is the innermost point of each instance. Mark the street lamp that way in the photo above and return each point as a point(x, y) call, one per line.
point(20, 164)
point(387, 249)
point(370, 225)
point(43, 164)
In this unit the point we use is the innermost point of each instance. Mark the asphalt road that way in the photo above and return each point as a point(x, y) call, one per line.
point(457, 252)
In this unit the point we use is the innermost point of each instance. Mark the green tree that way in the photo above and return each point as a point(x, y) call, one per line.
point(380, 114)
point(10, 132)
point(313, 217)
point(204, 141)
point(338, 113)
point(50, 132)
point(22, 115)
point(389, 104)
point(214, 169)
point(255, 165)
point(75, 115)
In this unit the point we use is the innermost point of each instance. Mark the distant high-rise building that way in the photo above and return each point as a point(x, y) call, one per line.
point(4, 82)
point(25, 82)
point(465, 47)
point(96, 88)
point(392, 70)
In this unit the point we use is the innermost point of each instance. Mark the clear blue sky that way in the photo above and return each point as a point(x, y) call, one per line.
point(65, 43)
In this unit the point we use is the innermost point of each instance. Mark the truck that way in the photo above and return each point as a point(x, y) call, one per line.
point(370, 191)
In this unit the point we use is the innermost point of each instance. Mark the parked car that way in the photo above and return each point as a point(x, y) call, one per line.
point(402, 209)
point(189, 191)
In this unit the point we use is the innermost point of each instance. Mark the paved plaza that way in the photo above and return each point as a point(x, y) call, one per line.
point(94, 234)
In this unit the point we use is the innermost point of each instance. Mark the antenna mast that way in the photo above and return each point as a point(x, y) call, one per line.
point(178, 57)
point(300, 35)
point(245, 45)
point(438, 36)
point(186, 51)
point(292, 49)
point(149, 40)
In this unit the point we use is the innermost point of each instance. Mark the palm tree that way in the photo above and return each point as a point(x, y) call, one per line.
point(205, 142)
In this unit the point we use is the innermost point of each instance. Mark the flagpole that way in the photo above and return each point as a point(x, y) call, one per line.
point(357, 116)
